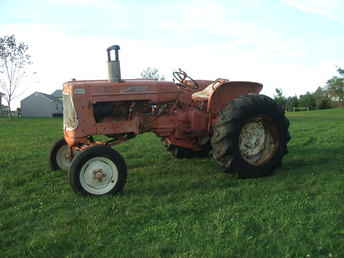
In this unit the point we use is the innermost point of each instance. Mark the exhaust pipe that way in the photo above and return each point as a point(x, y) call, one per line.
point(114, 67)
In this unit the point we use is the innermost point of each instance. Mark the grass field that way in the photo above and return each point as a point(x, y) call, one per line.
point(175, 208)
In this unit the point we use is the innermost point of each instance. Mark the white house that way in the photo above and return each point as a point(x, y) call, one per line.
point(39, 104)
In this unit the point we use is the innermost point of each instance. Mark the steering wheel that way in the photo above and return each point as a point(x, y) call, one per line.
point(181, 76)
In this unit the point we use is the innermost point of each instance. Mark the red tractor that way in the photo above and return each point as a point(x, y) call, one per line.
point(243, 131)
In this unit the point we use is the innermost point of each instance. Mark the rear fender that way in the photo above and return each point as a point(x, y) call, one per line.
point(228, 91)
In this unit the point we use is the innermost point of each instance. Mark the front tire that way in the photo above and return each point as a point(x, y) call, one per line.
point(250, 136)
point(59, 156)
point(98, 170)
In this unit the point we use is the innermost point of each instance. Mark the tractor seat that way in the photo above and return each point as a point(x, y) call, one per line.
point(204, 94)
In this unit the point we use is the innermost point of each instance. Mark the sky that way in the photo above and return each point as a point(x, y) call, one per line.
point(294, 45)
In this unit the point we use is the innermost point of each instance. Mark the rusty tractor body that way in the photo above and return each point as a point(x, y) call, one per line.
point(244, 132)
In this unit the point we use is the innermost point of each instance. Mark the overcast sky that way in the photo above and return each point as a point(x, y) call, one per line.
point(295, 45)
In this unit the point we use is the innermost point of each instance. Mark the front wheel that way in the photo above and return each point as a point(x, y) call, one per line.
point(98, 170)
point(59, 157)
point(250, 136)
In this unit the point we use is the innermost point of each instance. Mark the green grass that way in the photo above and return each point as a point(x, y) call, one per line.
point(175, 208)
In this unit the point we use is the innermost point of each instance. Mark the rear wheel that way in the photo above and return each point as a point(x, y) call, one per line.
point(98, 170)
point(251, 136)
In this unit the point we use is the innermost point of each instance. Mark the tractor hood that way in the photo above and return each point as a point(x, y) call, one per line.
point(124, 87)
point(127, 90)
point(153, 84)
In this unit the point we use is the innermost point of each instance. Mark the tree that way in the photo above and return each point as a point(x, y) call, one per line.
point(14, 60)
point(322, 99)
point(292, 102)
point(152, 73)
point(335, 87)
point(307, 100)
point(279, 98)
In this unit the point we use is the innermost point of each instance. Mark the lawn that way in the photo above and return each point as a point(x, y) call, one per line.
point(175, 208)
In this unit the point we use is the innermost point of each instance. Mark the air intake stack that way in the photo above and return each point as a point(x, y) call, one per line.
point(114, 67)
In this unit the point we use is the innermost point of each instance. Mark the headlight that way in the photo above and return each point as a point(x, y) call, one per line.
point(70, 120)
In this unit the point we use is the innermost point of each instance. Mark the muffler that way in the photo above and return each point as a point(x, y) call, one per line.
point(114, 67)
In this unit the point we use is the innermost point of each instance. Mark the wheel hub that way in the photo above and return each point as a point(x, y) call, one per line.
point(99, 175)
point(255, 142)
point(252, 137)
point(63, 158)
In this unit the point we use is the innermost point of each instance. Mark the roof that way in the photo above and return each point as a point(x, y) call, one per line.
point(50, 97)
point(57, 93)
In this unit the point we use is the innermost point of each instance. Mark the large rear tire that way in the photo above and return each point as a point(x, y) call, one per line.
point(250, 136)
point(98, 170)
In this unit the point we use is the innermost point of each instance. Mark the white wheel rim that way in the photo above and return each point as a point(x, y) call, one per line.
point(99, 175)
point(256, 143)
point(62, 158)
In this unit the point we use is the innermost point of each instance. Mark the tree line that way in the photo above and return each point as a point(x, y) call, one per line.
point(329, 96)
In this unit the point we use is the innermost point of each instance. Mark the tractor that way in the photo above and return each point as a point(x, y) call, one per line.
point(244, 132)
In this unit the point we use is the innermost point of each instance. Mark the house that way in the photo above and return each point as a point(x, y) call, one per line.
point(39, 104)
